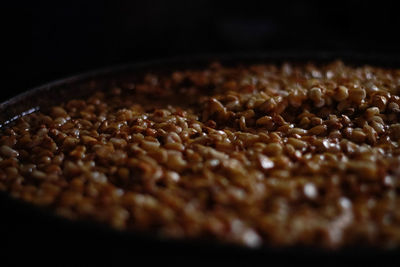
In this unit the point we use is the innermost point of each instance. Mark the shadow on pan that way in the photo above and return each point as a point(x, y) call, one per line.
point(30, 233)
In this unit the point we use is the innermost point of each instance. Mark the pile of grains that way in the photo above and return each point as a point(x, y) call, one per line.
point(276, 155)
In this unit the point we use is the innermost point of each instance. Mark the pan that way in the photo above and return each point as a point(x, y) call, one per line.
point(31, 232)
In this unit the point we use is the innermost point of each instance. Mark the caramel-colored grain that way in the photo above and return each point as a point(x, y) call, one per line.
point(264, 154)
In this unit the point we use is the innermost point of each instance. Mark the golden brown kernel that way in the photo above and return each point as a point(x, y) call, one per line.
point(341, 93)
point(291, 155)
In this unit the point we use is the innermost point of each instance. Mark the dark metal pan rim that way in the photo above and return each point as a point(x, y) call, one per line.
point(21, 105)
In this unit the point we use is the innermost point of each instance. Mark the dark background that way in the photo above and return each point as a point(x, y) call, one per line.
point(52, 39)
